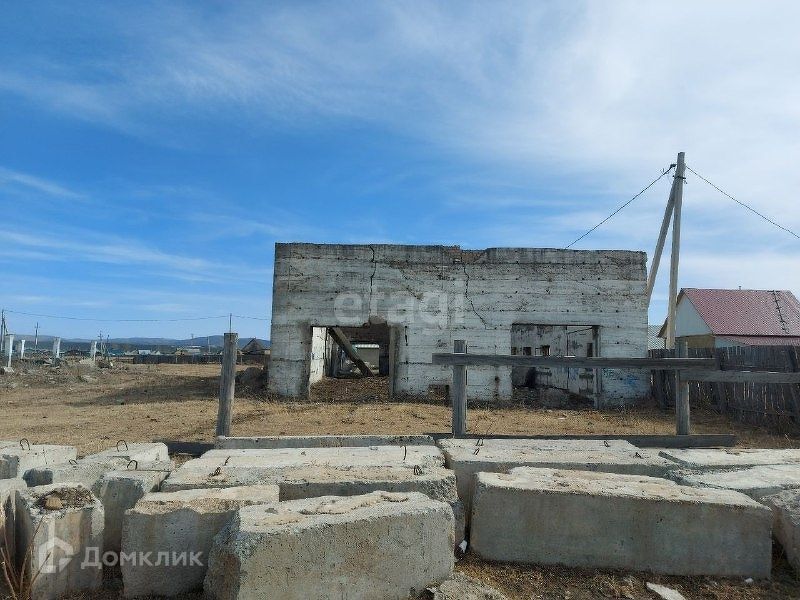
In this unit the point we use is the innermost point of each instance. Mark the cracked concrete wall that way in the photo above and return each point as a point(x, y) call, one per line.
point(431, 295)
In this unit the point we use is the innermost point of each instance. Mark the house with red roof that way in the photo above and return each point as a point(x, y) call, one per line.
point(713, 318)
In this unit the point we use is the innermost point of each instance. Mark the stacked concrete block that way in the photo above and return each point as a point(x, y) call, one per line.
point(467, 457)
point(143, 452)
point(60, 531)
point(786, 523)
point(166, 537)
point(8, 489)
point(379, 545)
point(321, 441)
point(16, 460)
point(730, 458)
point(310, 472)
point(756, 482)
point(364, 455)
point(89, 469)
point(224, 468)
point(601, 520)
point(119, 491)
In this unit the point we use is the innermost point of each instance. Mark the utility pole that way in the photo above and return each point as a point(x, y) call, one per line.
point(2, 329)
point(680, 170)
point(672, 213)
point(36, 338)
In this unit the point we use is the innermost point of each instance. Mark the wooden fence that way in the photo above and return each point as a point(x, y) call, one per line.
point(774, 405)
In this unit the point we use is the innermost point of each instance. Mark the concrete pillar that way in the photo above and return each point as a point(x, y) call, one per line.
point(9, 347)
point(93, 350)
point(57, 347)
point(21, 346)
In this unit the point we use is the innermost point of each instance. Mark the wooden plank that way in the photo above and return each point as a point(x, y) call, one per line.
point(682, 416)
point(793, 395)
point(711, 440)
point(458, 392)
point(503, 360)
point(340, 338)
point(760, 377)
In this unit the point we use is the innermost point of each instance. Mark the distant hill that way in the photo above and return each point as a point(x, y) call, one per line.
point(135, 343)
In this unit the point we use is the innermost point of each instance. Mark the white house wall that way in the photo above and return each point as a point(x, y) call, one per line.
point(432, 295)
point(688, 321)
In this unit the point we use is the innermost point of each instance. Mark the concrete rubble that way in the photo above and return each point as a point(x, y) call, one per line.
point(60, 530)
point(756, 482)
point(179, 526)
point(603, 520)
point(463, 587)
point(786, 523)
point(467, 457)
point(379, 545)
point(18, 458)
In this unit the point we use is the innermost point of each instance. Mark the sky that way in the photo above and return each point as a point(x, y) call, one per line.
point(151, 154)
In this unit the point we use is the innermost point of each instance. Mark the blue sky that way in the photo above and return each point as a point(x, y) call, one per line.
point(153, 153)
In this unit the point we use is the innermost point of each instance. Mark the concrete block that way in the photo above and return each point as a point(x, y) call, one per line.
point(119, 491)
point(368, 455)
point(8, 489)
point(321, 441)
point(756, 482)
point(16, 460)
point(308, 481)
point(142, 452)
point(786, 523)
point(87, 471)
point(601, 520)
point(60, 526)
point(469, 456)
point(722, 458)
point(180, 524)
point(375, 546)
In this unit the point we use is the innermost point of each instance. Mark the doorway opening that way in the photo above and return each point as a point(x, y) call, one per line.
point(554, 386)
point(356, 361)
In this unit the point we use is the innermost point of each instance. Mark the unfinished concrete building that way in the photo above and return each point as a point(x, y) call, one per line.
point(500, 300)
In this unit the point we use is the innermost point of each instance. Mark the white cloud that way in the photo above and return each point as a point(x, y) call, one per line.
point(13, 179)
point(596, 96)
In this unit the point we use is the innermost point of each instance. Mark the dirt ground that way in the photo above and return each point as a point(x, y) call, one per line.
point(93, 408)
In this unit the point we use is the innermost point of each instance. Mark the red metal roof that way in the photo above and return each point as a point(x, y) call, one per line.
point(747, 312)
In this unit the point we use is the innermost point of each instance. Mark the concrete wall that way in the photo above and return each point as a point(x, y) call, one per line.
point(431, 295)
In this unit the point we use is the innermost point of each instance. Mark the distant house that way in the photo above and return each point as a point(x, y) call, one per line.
point(712, 318)
point(189, 351)
point(254, 346)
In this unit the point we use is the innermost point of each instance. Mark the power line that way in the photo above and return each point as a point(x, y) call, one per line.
point(68, 318)
point(647, 187)
point(740, 203)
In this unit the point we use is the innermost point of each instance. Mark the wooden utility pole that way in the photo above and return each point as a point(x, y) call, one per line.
point(227, 384)
point(680, 170)
point(662, 236)
point(682, 420)
point(458, 392)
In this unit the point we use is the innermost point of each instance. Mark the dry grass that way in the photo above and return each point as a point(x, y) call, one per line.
point(179, 402)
